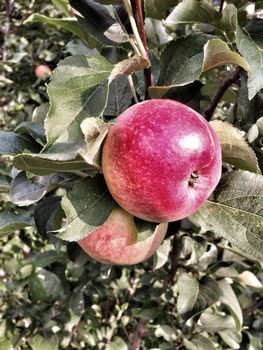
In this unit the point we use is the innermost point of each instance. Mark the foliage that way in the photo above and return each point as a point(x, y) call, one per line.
point(202, 289)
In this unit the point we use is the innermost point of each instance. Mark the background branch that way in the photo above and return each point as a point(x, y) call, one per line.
point(137, 337)
point(220, 92)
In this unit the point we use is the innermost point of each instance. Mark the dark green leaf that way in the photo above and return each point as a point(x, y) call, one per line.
point(24, 191)
point(195, 296)
point(119, 96)
point(10, 221)
point(236, 213)
point(48, 258)
point(101, 21)
point(254, 56)
point(86, 206)
point(48, 214)
point(158, 9)
point(182, 60)
point(44, 286)
point(77, 301)
point(12, 143)
point(35, 130)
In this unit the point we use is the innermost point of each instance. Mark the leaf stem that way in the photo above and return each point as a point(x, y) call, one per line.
point(136, 34)
point(132, 88)
point(220, 92)
point(137, 10)
point(221, 6)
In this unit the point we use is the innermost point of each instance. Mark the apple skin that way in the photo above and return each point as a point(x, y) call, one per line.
point(161, 160)
point(42, 71)
point(115, 242)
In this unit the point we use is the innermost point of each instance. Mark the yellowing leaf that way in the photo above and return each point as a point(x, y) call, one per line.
point(217, 53)
point(235, 149)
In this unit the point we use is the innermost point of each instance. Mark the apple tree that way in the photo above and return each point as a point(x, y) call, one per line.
point(76, 174)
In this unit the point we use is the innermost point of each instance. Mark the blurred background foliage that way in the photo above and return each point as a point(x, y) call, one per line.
point(198, 292)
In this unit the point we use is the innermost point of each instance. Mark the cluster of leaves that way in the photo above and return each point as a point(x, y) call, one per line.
point(51, 179)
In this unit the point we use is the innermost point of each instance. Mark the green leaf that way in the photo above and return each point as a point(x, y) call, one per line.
point(229, 21)
point(62, 5)
point(231, 338)
point(217, 53)
point(254, 56)
point(117, 344)
point(235, 149)
point(35, 130)
point(40, 113)
point(10, 221)
point(45, 164)
point(229, 298)
point(47, 258)
point(5, 182)
point(216, 323)
point(119, 96)
point(24, 192)
point(78, 90)
point(199, 342)
point(195, 296)
point(77, 301)
point(12, 143)
point(236, 213)
point(94, 130)
point(86, 206)
point(182, 60)
point(158, 9)
point(161, 255)
point(40, 343)
point(69, 24)
point(101, 21)
point(48, 215)
point(192, 11)
point(44, 286)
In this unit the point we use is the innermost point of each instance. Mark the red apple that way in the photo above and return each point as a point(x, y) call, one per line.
point(115, 242)
point(42, 71)
point(161, 160)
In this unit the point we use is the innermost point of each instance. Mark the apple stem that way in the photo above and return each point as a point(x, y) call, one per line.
point(208, 113)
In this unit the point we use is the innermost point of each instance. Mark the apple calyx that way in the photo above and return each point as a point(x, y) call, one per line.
point(115, 242)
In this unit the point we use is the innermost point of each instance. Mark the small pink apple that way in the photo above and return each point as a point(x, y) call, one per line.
point(42, 71)
point(115, 242)
point(161, 160)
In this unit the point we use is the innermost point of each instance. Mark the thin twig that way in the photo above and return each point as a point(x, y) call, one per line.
point(137, 11)
point(221, 6)
point(137, 337)
point(250, 309)
point(220, 92)
point(132, 88)
point(176, 248)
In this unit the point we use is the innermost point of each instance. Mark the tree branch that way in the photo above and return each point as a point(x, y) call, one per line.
point(137, 337)
point(220, 92)
point(138, 15)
